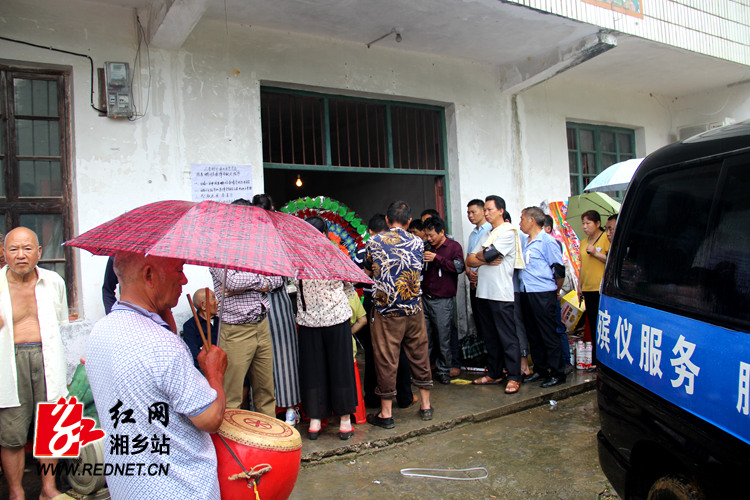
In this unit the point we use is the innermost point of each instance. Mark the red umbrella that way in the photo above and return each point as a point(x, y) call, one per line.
point(226, 236)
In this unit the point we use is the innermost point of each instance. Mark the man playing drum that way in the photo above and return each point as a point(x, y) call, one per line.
point(156, 408)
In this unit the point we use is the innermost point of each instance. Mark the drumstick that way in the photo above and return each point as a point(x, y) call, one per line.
point(208, 320)
point(197, 322)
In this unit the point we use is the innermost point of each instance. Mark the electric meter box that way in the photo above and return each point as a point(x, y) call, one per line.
point(119, 93)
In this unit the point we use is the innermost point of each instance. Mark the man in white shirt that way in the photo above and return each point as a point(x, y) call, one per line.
point(32, 305)
point(496, 261)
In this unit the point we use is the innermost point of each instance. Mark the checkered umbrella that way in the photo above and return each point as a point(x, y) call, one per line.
point(225, 236)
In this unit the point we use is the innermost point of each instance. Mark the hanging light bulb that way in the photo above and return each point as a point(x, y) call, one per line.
point(298, 182)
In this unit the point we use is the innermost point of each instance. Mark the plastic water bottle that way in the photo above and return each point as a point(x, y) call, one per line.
point(572, 352)
point(291, 417)
point(589, 355)
point(580, 355)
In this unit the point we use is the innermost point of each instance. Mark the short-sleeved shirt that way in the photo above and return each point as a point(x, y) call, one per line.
point(395, 259)
point(321, 303)
point(539, 254)
point(134, 361)
point(52, 311)
point(477, 236)
point(592, 270)
point(358, 310)
point(496, 282)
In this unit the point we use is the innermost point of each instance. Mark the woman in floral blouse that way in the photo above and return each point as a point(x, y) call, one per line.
point(325, 350)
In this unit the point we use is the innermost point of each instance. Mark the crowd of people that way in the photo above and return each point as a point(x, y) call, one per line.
point(276, 357)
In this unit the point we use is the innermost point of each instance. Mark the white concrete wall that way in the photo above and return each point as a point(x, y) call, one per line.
point(204, 108)
point(725, 104)
point(546, 108)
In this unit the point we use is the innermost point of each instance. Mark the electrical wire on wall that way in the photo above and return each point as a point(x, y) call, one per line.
point(91, 62)
point(137, 66)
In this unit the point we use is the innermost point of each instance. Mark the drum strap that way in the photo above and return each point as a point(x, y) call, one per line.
point(253, 475)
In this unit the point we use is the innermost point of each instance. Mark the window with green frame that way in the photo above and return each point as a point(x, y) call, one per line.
point(320, 130)
point(593, 148)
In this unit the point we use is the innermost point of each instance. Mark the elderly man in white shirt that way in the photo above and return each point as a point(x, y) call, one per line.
point(33, 304)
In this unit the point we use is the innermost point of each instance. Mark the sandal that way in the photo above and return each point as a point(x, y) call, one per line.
point(486, 381)
point(512, 387)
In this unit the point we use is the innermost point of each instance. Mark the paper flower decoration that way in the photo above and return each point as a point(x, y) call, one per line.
point(343, 222)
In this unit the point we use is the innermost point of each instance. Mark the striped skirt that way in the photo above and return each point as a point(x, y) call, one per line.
point(285, 350)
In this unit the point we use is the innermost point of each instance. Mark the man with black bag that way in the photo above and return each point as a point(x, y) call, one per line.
point(540, 281)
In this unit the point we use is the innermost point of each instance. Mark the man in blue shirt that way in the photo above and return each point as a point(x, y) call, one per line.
point(482, 228)
point(148, 391)
point(540, 280)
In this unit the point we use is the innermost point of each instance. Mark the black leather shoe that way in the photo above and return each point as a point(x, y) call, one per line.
point(444, 378)
point(553, 381)
point(536, 376)
point(426, 414)
point(346, 435)
point(385, 423)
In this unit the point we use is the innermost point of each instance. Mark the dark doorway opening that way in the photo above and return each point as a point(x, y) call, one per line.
point(365, 193)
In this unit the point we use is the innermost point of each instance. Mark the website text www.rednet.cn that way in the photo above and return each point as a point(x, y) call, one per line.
point(88, 469)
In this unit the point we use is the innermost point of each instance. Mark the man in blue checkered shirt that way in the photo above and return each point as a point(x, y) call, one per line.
point(156, 408)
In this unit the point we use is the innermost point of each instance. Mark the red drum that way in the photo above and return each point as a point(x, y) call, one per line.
point(260, 443)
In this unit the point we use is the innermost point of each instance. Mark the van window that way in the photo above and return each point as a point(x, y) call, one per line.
point(725, 254)
point(684, 252)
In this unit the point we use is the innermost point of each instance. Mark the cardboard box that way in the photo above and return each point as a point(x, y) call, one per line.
point(572, 310)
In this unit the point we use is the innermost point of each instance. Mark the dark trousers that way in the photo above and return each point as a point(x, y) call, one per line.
point(544, 341)
point(523, 340)
point(500, 339)
point(455, 350)
point(592, 314)
point(404, 394)
point(438, 314)
point(562, 332)
point(327, 370)
point(473, 301)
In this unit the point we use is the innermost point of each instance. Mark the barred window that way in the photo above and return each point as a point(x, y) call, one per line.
point(334, 131)
point(593, 148)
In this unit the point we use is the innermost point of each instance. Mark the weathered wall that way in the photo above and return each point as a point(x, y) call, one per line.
point(204, 108)
point(715, 28)
point(726, 104)
point(546, 108)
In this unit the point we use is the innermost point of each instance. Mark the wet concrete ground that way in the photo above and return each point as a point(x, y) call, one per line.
point(459, 408)
point(456, 403)
point(534, 453)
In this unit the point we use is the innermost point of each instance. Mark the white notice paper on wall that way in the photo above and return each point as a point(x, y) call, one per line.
point(224, 183)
